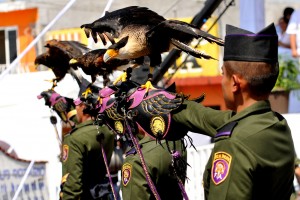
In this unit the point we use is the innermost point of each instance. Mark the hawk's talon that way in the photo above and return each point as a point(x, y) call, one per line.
point(148, 85)
point(86, 92)
point(122, 78)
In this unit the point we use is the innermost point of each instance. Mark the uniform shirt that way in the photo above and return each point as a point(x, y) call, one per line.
point(253, 159)
point(83, 166)
point(158, 161)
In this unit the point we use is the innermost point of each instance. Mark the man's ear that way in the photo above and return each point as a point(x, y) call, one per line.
point(235, 83)
point(239, 83)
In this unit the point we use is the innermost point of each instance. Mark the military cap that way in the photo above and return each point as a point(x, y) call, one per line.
point(243, 45)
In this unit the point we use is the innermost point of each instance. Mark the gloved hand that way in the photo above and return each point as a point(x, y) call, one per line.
point(108, 110)
point(109, 104)
point(151, 111)
point(63, 106)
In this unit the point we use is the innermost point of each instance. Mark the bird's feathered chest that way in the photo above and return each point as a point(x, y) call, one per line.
point(137, 42)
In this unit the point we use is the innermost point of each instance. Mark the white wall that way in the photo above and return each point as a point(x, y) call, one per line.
point(25, 123)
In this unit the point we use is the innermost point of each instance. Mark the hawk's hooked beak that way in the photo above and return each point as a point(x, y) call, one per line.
point(73, 61)
point(110, 54)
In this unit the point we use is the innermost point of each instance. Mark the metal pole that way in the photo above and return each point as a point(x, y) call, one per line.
point(107, 7)
point(53, 121)
point(23, 180)
point(17, 60)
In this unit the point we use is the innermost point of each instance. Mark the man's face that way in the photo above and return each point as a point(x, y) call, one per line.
point(79, 109)
point(227, 82)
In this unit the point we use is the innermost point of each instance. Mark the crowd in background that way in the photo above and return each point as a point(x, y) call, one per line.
point(288, 30)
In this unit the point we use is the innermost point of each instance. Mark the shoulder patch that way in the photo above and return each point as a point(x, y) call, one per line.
point(226, 130)
point(132, 151)
point(126, 173)
point(65, 153)
point(220, 167)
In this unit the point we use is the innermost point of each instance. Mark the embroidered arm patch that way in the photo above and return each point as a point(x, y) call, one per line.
point(220, 167)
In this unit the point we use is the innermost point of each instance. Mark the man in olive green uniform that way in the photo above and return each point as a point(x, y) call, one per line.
point(155, 169)
point(159, 161)
point(83, 166)
point(253, 156)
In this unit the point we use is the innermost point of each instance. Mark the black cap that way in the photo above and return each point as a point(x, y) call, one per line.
point(243, 45)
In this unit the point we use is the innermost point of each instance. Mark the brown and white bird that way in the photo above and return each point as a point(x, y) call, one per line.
point(142, 32)
point(92, 64)
point(57, 58)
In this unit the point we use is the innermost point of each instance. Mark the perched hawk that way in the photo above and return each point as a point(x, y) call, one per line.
point(57, 58)
point(92, 64)
point(140, 32)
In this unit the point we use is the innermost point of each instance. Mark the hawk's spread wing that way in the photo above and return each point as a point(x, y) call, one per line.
point(180, 30)
point(70, 49)
point(112, 23)
point(179, 34)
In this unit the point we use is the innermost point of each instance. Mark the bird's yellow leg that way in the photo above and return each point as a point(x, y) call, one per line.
point(86, 92)
point(148, 85)
point(121, 78)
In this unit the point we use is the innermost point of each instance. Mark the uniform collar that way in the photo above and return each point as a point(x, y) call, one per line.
point(258, 107)
point(85, 123)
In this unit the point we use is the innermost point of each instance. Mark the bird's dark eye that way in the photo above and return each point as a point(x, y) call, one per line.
point(120, 44)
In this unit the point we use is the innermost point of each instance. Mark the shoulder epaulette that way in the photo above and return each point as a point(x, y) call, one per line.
point(226, 130)
point(132, 151)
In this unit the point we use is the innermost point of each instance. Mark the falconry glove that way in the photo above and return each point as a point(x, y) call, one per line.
point(63, 106)
point(112, 109)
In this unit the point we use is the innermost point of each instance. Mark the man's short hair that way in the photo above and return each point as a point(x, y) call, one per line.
point(260, 76)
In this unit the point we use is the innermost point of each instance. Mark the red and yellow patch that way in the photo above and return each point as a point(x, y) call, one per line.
point(126, 173)
point(65, 153)
point(220, 167)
